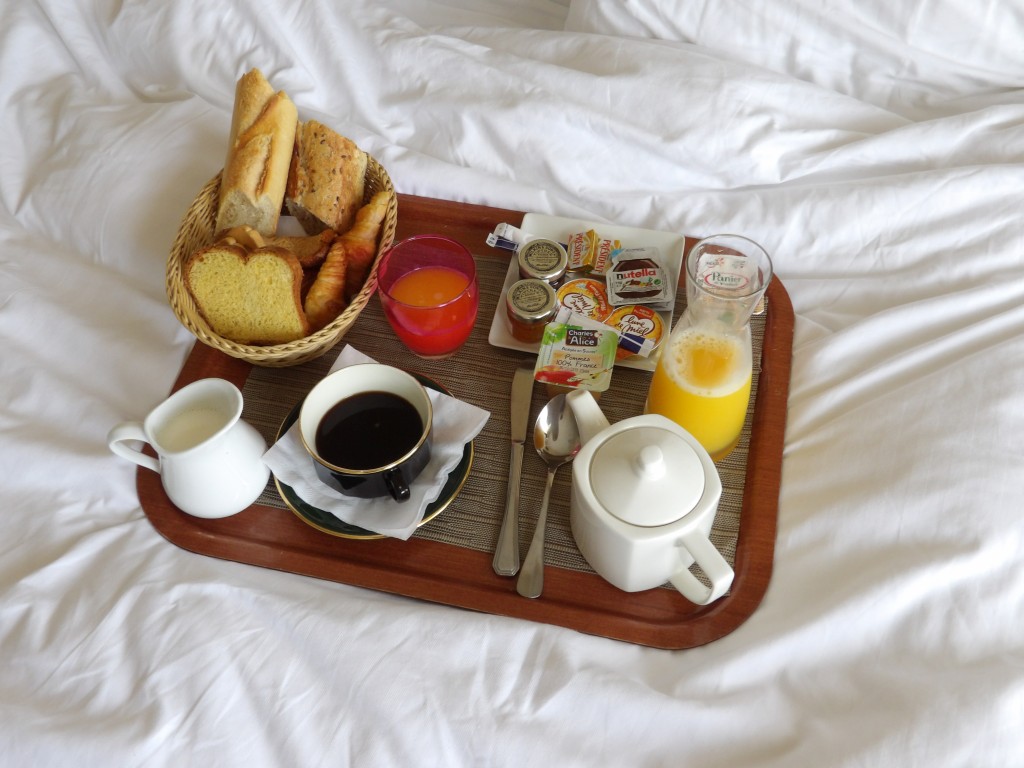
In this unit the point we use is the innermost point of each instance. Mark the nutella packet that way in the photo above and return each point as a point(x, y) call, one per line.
point(636, 276)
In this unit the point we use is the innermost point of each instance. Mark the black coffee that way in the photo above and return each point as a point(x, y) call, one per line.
point(368, 430)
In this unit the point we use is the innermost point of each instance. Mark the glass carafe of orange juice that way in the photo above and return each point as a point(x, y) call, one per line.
point(702, 381)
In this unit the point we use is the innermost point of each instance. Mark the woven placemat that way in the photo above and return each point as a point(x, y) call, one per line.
point(482, 374)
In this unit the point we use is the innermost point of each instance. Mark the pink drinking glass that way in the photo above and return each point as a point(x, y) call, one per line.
point(428, 289)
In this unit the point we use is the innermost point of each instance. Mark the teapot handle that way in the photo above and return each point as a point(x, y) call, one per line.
point(131, 430)
point(589, 418)
point(719, 573)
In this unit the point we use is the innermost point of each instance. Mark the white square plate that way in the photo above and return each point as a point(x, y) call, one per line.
point(671, 247)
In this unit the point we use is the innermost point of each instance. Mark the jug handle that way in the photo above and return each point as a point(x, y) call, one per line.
point(711, 562)
point(589, 417)
point(131, 430)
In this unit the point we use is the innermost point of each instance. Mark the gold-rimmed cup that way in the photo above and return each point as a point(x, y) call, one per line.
point(367, 429)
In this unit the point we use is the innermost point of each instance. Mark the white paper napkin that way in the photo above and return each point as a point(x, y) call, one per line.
point(455, 423)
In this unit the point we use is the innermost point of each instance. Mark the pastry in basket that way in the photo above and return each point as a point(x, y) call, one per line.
point(243, 235)
point(325, 183)
point(310, 250)
point(343, 273)
point(250, 297)
point(263, 127)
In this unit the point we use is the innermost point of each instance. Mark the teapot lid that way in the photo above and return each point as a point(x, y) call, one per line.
point(647, 476)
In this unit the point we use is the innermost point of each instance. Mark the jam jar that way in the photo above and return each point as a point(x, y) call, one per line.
point(543, 260)
point(530, 304)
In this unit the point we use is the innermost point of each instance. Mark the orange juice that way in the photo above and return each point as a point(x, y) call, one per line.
point(702, 383)
point(429, 286)
point(432, 309)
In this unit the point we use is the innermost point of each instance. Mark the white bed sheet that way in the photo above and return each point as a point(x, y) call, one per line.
point(879, 163)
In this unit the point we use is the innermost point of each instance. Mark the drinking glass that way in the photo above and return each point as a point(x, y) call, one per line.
point(428, 289)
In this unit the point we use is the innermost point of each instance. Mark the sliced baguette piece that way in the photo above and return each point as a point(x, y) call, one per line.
point(325, 182)
point(250, 297)
point(255, 177)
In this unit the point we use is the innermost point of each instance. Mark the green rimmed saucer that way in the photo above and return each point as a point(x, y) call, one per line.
point(327, 523)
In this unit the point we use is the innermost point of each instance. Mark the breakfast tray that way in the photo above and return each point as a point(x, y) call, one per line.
point(449, 559)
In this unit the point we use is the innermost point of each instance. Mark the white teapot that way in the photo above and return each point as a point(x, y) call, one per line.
point(644, 497)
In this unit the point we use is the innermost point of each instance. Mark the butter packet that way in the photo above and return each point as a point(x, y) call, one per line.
point(588, 252)
point(576, 357)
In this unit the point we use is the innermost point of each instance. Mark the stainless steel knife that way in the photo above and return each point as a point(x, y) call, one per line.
point(506, 555)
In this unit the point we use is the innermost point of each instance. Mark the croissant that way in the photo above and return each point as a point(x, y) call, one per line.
point(361, 242)
point(326, 297)
point(348, 261)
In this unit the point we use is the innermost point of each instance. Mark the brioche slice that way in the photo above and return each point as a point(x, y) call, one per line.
point(248, 297)
point(255, 176)
point(325, 182)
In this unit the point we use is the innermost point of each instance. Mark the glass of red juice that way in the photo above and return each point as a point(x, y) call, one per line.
point(428, 289)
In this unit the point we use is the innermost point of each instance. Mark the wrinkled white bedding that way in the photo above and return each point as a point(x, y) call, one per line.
point(877, 155)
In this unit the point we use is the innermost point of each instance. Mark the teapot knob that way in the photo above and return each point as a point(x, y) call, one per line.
point(650, 463)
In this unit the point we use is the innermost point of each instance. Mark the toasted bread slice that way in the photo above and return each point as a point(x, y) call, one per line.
point(248, 297)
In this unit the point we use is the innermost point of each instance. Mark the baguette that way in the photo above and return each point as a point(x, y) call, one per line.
point(325, 182)
point(255, 177)
point(248, 297)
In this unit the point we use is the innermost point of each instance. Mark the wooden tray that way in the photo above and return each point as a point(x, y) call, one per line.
point(462, 577)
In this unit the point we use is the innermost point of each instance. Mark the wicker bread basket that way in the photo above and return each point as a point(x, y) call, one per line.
point(196, 231)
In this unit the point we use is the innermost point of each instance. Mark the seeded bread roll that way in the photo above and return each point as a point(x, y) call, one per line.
point(255, 176)
point(325, 184)
point(248, 297)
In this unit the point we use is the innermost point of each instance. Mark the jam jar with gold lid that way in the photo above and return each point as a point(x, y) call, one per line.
point(542, 259)
point(530, 304)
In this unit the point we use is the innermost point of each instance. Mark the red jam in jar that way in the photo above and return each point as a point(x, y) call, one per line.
point(529, 305)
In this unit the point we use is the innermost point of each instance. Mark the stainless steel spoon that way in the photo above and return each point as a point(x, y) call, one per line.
point(557, 440)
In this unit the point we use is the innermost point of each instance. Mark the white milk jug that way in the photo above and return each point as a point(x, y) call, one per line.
point(209, 460)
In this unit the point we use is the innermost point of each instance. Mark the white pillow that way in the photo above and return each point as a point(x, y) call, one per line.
point(905, 56)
